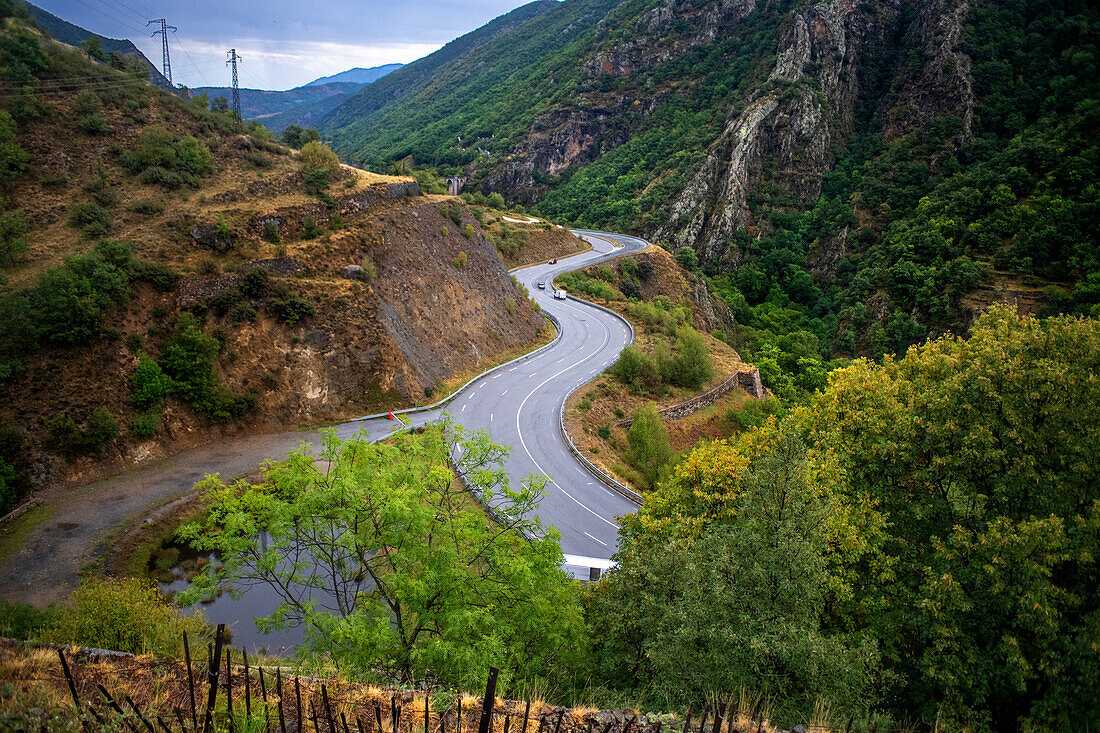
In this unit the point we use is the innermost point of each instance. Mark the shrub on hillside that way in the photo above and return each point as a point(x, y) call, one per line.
point(634, 368)
point(13, 159)
point(162, 158)
point(650, 450)
point(289, 306)
point(127, 615)
point(91, 218)
point(99, 430)
point(13, 245)
point(315, 156)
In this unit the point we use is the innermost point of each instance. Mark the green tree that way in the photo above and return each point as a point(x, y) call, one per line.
point(649, 449)
point(389, 564)
point(13, 245)
point(738, 606)
point(692, 366)
point(317, 157)
point(93, 46)
point(13, 159)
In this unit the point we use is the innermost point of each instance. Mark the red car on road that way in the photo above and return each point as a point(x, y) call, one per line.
point(553, 261)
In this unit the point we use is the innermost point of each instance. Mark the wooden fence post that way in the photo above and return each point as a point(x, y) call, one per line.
point(229, 690)
point(190, 683)
point(247, 692)
point(526, 714)
point(489, 701)
point(212, 678)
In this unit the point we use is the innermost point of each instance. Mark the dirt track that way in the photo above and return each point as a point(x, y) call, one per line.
point(85, 517)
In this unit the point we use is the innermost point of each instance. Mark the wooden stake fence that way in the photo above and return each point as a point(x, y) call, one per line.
point(328, 714)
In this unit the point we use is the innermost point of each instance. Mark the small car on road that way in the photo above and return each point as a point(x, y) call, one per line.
point(553, 261)
point(542, 285)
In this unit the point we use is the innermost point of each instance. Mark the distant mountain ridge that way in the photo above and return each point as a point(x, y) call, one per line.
point(74, 35)
point(304, 105)
point(358, 75)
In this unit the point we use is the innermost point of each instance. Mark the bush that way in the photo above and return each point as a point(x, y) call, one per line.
point(316, 181)
point(100, 429)
point(188, 358)
point(692, 366)
point(271, 232)
point(650, 449)
point(127, 615)
point(69, 303)
point(468, 231)
point(150, 383)
point(255, 282)
point(318, 157)
point(495, 201)
point(290, 307)
point(460, 260)
point(336, 222)
point(630, 288)
point(13, 245)
point(635, 368)
point(162, 277)
point(370, 271)
point(146, 424)
point(163, 159)
point(13, 159)
point(310, 230)
point(91, 218)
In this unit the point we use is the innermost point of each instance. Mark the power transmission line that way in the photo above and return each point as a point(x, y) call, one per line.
point(193, 64)
point(111, 16)
point(233, 59)
point(163, 32)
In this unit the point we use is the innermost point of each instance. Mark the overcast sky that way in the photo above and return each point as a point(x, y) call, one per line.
point(283, 43)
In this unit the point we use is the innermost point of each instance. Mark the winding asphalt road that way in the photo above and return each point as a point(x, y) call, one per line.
point(520, 406)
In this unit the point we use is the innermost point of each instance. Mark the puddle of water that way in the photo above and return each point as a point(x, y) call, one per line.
point(174, 565)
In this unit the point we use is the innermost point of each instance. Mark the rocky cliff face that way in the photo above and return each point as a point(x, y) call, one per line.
point(835, 62)
point(789, 132)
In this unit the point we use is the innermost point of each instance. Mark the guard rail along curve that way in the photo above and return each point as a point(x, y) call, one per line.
point(593, 468)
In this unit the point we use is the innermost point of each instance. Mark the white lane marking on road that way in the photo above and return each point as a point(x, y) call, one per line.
point(504, 393)
point(597, 539)
point(463, 408)
point(490, 417)
point(513, 368)
point(519, 411)
point(497, 376)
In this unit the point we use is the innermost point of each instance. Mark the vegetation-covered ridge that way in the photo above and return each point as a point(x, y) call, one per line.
point(855, 177)
point(168, 274)
point(918, 546)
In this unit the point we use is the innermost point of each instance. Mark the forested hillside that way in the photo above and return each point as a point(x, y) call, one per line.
point(169, 276)
point(853, 177)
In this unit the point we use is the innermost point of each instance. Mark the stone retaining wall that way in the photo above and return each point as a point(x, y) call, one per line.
point(749, 381)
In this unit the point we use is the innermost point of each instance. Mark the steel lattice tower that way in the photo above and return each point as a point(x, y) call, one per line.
point(163, 32)
point(233, 59)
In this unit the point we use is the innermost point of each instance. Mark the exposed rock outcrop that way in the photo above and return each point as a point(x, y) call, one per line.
point(790, 132)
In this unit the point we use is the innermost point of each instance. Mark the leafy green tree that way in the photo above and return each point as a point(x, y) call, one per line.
point(687, 259)
point(93, 46)
point(391, 567)
point(13, 245)
point(634, 367)
point(649, 449)
point(738, 606)
point(317, 157)
point(292, 136)
point(13, 159)
point(692, 366)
